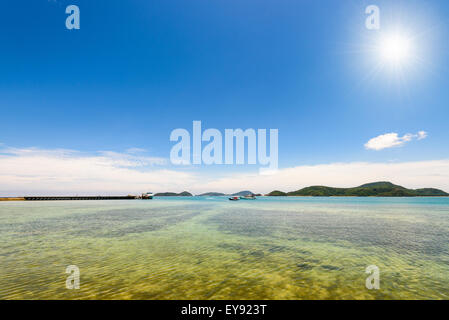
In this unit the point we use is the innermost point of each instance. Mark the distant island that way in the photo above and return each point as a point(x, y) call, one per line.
point(375, 189)
point(212, 194)
point(173, 194)
point(242, 193)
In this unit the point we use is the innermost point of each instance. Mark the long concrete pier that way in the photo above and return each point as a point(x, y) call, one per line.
point(52, 198)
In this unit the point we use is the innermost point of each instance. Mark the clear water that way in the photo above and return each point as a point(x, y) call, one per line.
point(212, 248)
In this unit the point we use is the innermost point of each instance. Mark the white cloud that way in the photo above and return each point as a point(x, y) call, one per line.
point(37, 171)
point(390, 140)
point(34, 171)
point(422, 174)
point(422, 135)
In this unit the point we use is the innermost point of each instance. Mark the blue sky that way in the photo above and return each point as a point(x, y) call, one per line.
point(136, 70)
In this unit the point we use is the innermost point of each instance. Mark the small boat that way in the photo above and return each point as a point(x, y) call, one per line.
point(147, 196)
point(249, 197)
point(234, 198)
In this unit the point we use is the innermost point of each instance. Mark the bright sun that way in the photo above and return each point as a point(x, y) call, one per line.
point(395, 49)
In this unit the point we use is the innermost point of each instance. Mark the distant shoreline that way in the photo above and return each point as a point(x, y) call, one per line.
point(382, 189)
point(12, 199)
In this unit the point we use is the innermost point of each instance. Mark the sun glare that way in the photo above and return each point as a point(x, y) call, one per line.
point(395, 49)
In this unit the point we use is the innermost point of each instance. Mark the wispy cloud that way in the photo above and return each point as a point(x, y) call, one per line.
point(421, 135)
point(135, 150)
point(117, 159)
point(61, 171)
point(390, 140)
point(130, 159)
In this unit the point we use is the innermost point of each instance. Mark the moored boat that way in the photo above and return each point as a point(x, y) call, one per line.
point(146, 196)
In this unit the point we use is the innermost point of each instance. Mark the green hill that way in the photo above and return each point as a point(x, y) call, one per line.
point(431, 192)
point(375, 189)
point(380, 184)
point(276, 193)
point(173, 194)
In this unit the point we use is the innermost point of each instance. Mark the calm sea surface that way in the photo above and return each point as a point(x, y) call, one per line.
point(212, 248)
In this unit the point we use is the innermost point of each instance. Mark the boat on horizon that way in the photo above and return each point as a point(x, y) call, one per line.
point(147, 196)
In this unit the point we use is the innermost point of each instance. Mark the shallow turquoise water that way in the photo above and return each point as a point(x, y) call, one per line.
point(212, 248)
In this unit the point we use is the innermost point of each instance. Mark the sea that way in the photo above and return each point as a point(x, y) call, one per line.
point(211, 248)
